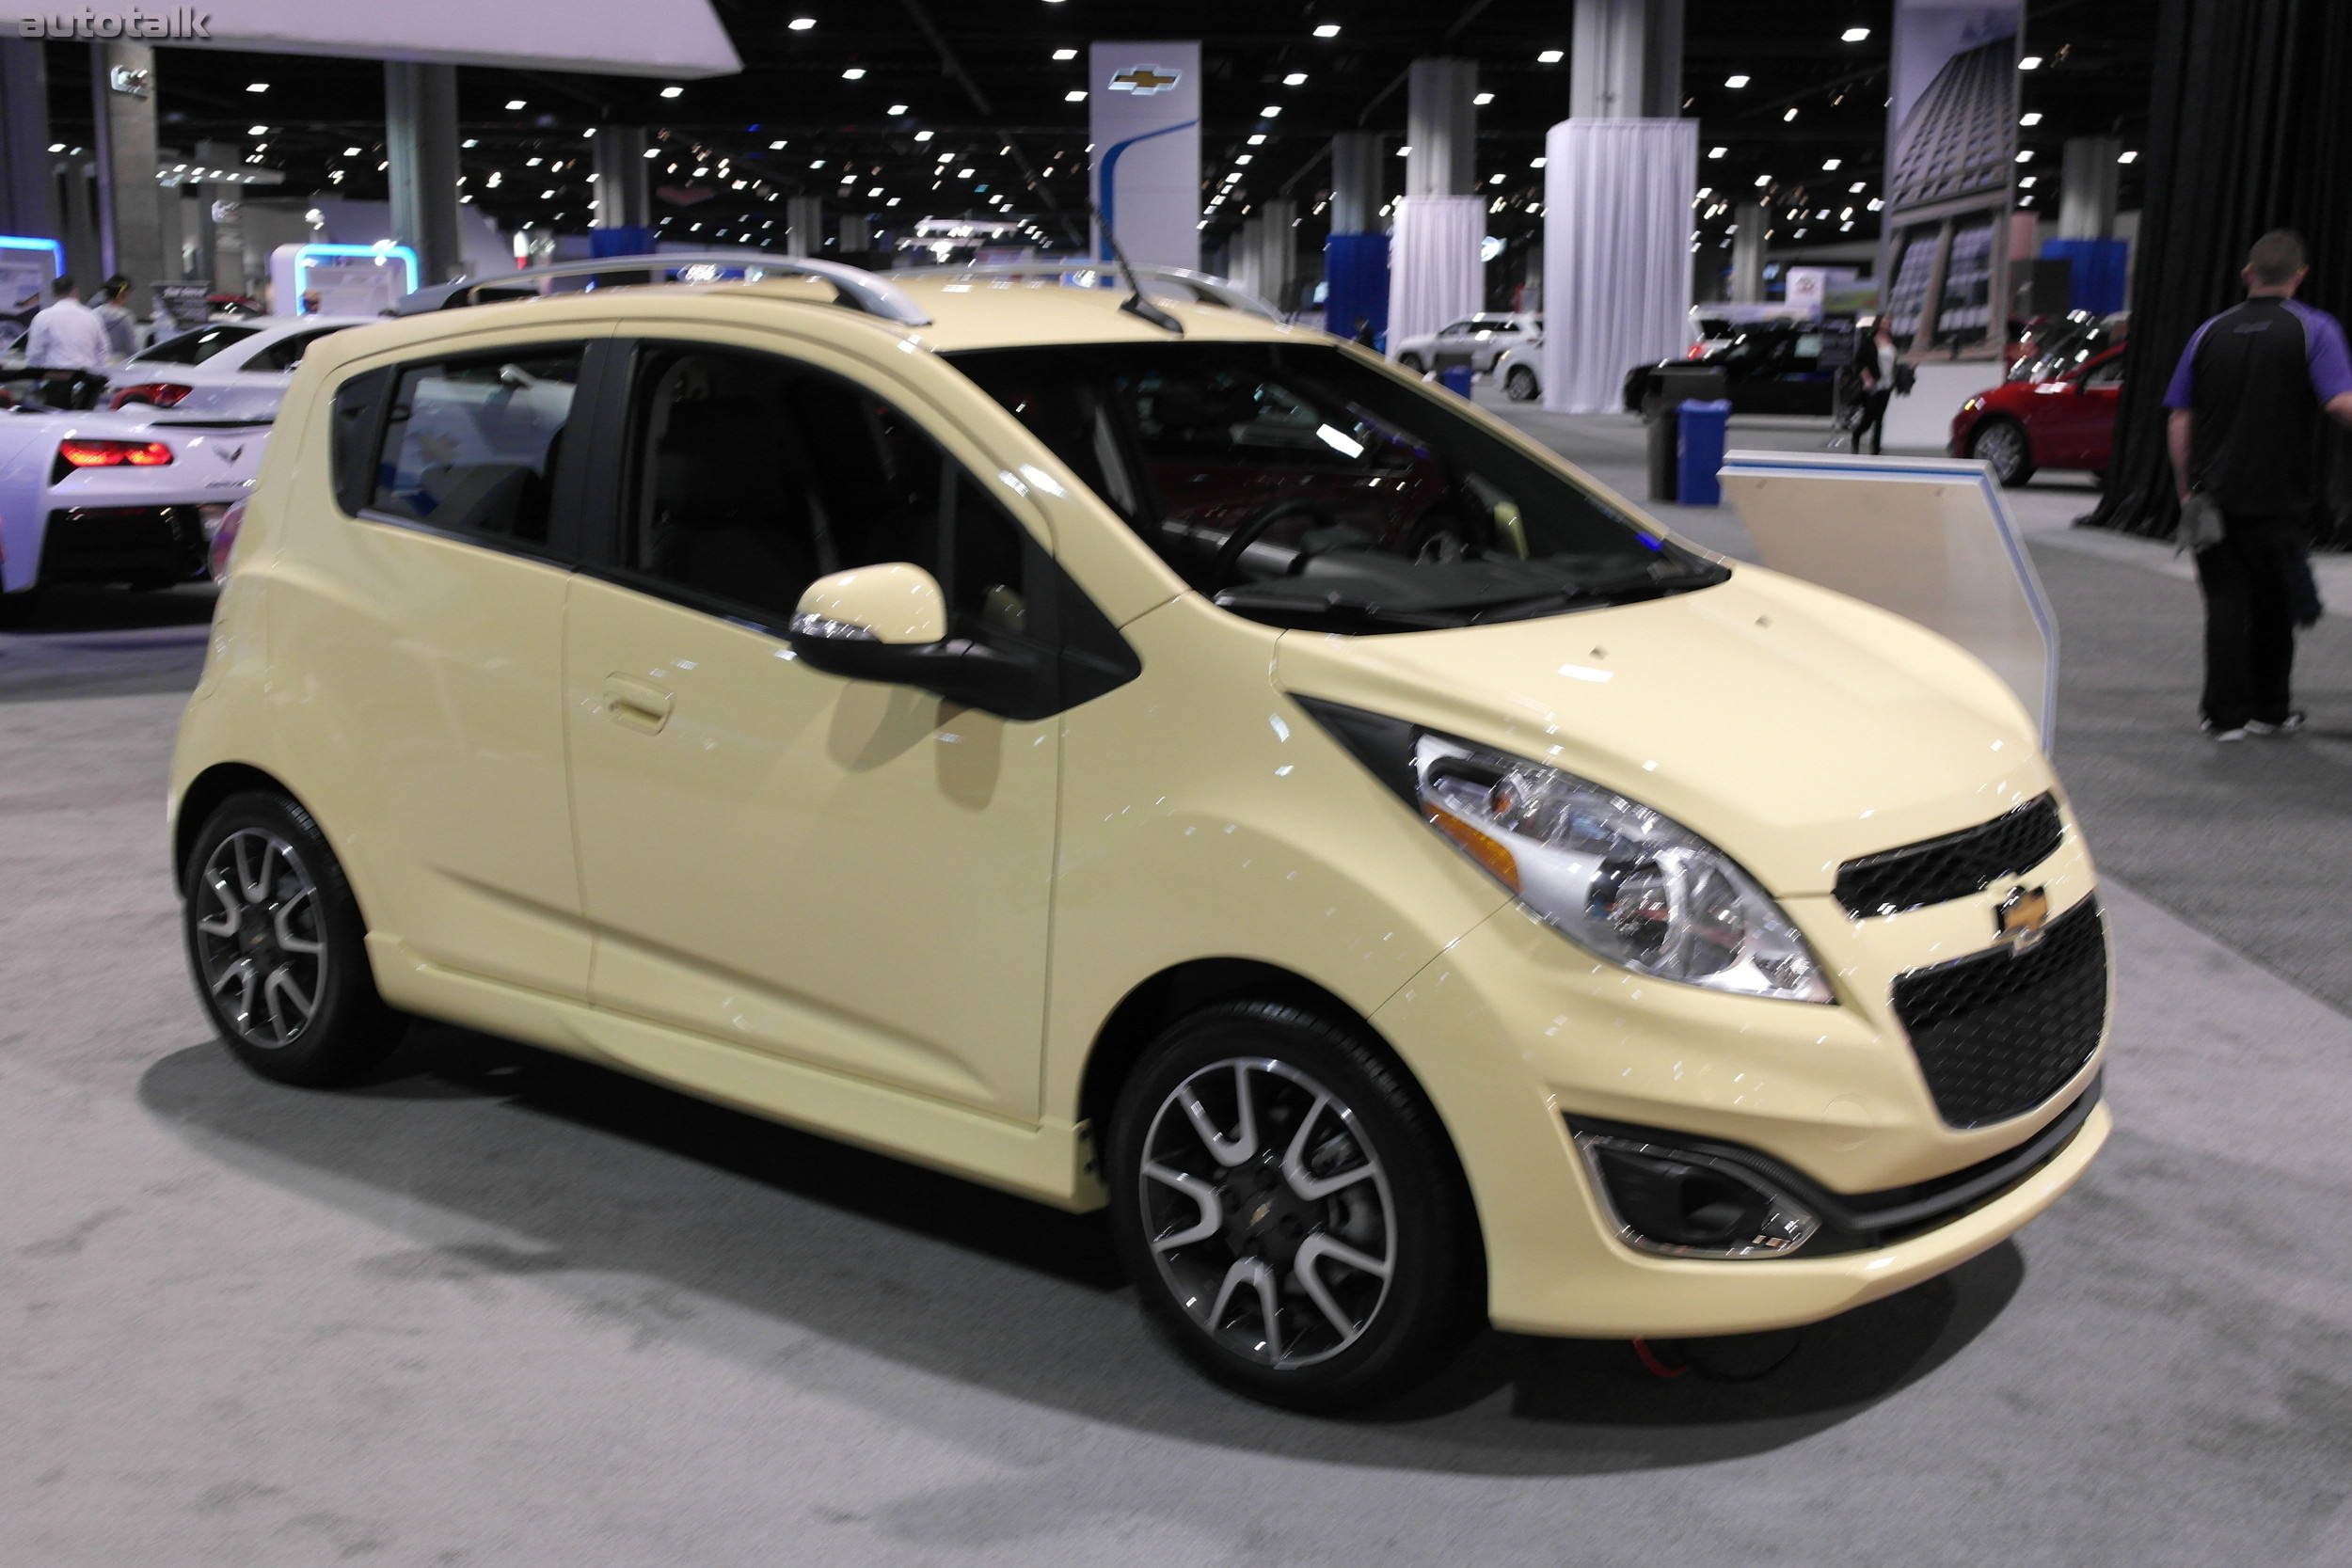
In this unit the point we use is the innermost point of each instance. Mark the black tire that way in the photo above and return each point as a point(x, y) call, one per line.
point(1519, 385)
point(1391, 1193)
point(1411, 362)
point(277, 947)
point(18, 608)
point(2002, 443)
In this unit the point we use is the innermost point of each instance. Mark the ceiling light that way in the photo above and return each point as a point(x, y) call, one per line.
point(921, 136)
point(2026, 184)
point(655, 152)
point(1789, 115)
point(772, 147)
point(1549, 56)
point(2031, 62)
point(1296, 79)
point(1735, 81)
point(1074, 96)
point(1483, 100)
point(855, 73)
point(1856, 189)
point(1855, 35)
point(1243, 159)
point(673, 92)
point(1270, 111)
point(2127, 157)
point(1717, 152)
point(896, 109)
point(2025, 154)
point(257, 130)
point(1831, 163)
point(1534, 162)
point(1328, 30)
point(256, 86)
point(514, 103)
point(1763, 179)
point(2034, 119)
point(1494, 179)
point(1404, 151)
point(1065, 53)
point(1258, 140)
point(802, 24)
point(1876, 204)
point(963, 174)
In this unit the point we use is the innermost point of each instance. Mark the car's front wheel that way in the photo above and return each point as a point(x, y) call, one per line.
point(1520, 385)
point(1289, 1209)
point(278, 947)
point(1411, 362)
point(2002, 443)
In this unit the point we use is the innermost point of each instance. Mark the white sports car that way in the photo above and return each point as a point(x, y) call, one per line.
point(224, 370)
point(131, 498)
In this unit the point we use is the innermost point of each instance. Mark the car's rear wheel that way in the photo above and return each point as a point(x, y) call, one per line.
point(1289, 1209)
point(1519, 385)
point(2002, 443)
point(278, 947)
point(1411, 362)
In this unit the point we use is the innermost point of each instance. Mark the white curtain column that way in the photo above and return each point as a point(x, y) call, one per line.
point(1358, 182)
point(421, 143)
point(130, 203)
point(1435, 276)
point(805, 226)
point(2087, 188)
point(1277, 250)
point(623, 198)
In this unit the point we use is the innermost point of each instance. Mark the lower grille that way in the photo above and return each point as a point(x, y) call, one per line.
point(1998, 1035)
point(123, 544)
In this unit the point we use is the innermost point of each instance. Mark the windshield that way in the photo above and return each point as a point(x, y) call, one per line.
point(1303, 487)
point(194, 348)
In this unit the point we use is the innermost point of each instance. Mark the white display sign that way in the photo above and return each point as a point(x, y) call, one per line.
point(1144, 102)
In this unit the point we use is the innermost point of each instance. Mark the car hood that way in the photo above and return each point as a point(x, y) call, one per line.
point(1793, 727)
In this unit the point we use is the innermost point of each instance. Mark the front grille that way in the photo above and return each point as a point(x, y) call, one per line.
point(1997, 1035)
point(1957, 866)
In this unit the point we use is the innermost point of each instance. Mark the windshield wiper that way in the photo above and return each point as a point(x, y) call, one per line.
point(1327, 606)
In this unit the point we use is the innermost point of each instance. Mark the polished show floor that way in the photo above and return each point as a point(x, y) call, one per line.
point(502, 1308)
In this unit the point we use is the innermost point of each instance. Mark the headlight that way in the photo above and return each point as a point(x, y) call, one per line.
point(1613, 876)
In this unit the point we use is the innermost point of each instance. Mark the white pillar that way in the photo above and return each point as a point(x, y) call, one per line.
point(805, 226)
point(621, 198)
point(2087, 189)
point(1358, 185)
point(130, 219)
point(1277, 250)
point(421, 143)
point(1626, 60)
point(1616, 254)
point(1434, 268)
point(1750, 225)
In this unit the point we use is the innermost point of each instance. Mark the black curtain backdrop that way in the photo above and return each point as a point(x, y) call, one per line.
point(2250, 129)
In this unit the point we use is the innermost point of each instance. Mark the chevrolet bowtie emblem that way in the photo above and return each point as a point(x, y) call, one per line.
point(2018, 923)
point(1145, 80)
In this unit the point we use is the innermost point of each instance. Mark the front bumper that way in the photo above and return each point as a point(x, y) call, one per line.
point(1514, 1031)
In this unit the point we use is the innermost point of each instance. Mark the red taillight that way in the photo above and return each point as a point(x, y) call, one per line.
point(224, 539)
point(82, 452)
point(163, 394)
point(1697, 351)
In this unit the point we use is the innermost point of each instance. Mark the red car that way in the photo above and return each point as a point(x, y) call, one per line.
point(2066, 421)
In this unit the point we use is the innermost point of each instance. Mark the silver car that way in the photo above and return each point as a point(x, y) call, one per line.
point(1479, 339)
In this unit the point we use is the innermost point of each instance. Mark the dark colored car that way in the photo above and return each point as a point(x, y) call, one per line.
point(1770, 367)
point(2064, 421)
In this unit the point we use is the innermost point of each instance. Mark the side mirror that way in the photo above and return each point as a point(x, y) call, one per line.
point(889, 623)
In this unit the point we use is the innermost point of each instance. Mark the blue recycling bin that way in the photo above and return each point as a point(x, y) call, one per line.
point(1699, 454)
point(1455, 379)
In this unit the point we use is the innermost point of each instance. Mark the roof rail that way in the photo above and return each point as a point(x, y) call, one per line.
point(1080, 273)
point(855, 286)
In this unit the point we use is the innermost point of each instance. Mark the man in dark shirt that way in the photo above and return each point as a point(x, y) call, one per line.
point(2245, 431)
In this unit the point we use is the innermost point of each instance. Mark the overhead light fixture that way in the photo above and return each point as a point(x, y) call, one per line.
point(894, 110)
point(1855, 35)
point(1534, 162)
point(1789, 115)
point(1763, 179)
point(2127, 157)
point(256, 86)
point(921, 136)
point(1483, 100)
point(772, 147)
point(257, 130)
point(1258, 140)
point(2034, 119)
point(1735, 81)
point(2031, 62)
point(673, 92)
point(1074, 96)
point(1328, 30)
point(1065, 53)
point(1550, 56)
point(2025, 154)
point(855, 73)
point(1270, 111)
point(1296, 79)
point(1717, 152)
point(511, 102)
point(1831, 163)
point(2026, 184)
point(802, 24)
point(1857, 188)
point(1404, 151)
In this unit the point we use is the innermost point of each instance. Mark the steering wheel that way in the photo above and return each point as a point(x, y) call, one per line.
point(1225, 571)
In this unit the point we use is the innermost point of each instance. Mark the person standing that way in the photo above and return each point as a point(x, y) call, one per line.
point(123, 328)
point(66, 347)
point(2243, 433)
point(1874, 361)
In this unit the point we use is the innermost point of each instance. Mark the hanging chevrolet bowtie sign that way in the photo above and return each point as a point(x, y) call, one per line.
point(1144, 113)
point(1146, 79)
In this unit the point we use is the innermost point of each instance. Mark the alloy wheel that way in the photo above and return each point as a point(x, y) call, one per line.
point(2003, 445)
point(1268, 1212)
point(259, 941)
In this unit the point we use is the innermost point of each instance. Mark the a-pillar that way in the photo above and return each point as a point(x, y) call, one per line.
point(1356, 257)
point(1618, 176)
point(130, 219)
point(1435, 274)
point(29, 186)
point(805, 226)
point(421, 139)
point(1750, 227)
point(623, 220)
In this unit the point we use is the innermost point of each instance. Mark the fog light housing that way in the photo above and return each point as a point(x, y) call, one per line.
point(1687, 1204)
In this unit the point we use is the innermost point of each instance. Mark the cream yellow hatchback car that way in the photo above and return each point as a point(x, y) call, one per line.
point(1144, 756)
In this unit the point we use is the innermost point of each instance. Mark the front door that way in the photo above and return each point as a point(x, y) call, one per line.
point(851, 875)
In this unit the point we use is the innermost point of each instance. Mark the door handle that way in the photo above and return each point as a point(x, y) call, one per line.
point(636, 704)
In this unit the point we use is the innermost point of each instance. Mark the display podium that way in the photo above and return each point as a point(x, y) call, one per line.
point(1927, 538)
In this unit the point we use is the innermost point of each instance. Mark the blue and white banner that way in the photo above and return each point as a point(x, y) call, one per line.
point(1145, 116)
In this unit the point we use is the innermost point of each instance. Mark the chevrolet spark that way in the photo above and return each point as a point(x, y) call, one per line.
point(1148, 757)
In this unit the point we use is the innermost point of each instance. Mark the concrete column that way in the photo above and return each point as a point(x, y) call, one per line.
point(83, 259)
point(29, 184)
point(857, 234)
point(421, 141)
point(2088, 188)
point(1747, 254)
point(1277, 252)
point(130, 219)
point(805, 226)
point(220, 220)
point(1441, 128)
point(1357, 180)
point(1624, 61)
point(624, 200)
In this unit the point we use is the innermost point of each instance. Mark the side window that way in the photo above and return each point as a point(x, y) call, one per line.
point(753, 476)
point(285, 353)
point(2108, 374)
point(470, 444)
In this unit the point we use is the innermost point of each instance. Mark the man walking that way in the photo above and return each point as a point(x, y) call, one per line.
point(66, 347)
point(2245, 435)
